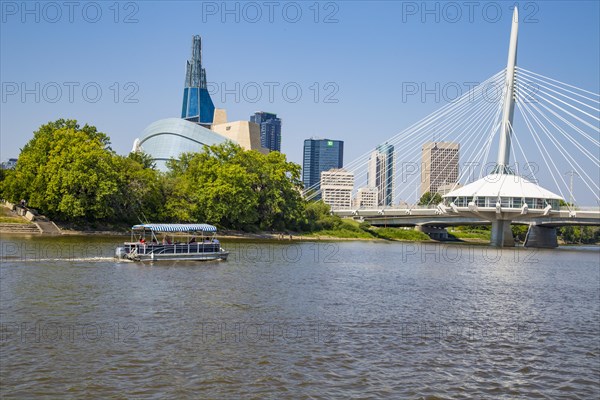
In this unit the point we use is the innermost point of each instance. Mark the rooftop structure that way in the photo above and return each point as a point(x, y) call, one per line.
point(197, 104)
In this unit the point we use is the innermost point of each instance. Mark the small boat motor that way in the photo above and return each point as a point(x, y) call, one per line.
point(120, 253)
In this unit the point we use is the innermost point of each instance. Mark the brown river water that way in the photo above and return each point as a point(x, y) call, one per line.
point(299, 320)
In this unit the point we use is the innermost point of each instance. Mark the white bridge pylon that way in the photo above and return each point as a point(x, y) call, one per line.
point(548, 126)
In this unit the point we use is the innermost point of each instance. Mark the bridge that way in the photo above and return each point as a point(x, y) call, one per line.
point(552, 137)
point(402, 217)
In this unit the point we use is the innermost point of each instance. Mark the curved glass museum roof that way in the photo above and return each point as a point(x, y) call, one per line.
point(170, 137)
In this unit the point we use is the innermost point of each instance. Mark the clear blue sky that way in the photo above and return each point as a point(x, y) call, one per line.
point(368, 49)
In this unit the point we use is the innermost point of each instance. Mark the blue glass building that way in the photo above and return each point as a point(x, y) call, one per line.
point(320, 155)
point(197, 104)
point(270, 129)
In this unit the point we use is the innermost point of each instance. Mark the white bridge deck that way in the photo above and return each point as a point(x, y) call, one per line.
point(435, 216)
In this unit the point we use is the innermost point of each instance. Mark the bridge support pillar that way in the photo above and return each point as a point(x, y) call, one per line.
point(502, 234)
point(541, 237)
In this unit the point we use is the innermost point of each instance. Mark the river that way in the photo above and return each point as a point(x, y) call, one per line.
point(299, 320)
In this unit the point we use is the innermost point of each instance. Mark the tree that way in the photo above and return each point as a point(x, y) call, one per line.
point(234, 188)
point(427, 199)
point(144, 159)
point(519, 231)
point(67, 171)
point(579, 234)
point(140, 196)
point(319, 217)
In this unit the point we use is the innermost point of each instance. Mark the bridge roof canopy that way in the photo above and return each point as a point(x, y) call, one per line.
point(503, 185)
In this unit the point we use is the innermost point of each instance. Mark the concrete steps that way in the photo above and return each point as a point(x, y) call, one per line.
point(47, 227)
point(19, 228)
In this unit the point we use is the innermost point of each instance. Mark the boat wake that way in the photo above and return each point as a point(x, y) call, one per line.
point(69, 259)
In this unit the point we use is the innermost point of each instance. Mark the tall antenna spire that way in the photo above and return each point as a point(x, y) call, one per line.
point(509, 99)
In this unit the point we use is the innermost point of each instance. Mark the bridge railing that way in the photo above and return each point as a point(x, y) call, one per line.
point(576, 208)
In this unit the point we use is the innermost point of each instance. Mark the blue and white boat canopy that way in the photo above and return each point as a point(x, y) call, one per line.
point(176, 227)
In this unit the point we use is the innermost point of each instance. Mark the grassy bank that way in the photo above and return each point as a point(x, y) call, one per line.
point(475, 234)
point(399, 234)
point(8, 217)
point(350, 229)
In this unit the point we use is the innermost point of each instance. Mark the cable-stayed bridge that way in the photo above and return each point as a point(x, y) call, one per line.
point(553, 138)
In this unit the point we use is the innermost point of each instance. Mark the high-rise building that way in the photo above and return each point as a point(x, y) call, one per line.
point(380, 173)
point(270, 129)
point(200, 123)
point(10, 164)
point(197, 104)
point(320, 155)
point(439, 165)
point(336, 188)
point(367, 198)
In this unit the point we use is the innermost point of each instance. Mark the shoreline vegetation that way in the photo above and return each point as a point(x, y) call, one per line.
point(71, 175)
point(457, 235)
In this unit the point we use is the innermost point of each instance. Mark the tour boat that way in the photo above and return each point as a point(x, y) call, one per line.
point(153, 242)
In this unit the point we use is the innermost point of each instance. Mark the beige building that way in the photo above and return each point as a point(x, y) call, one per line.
point(170, 137)
point(244, 133)
point(336, 188)
point(439, 165)
point(447, 188)
point(366, 198)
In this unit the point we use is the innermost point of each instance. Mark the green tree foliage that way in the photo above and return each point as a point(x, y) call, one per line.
point(234, 188)
point(579, 234)
point(140, 196)
point(428, 199)
point(519, 231)
point(4, 173)
point(70, 173)
point(67, 171)
point(318, 217)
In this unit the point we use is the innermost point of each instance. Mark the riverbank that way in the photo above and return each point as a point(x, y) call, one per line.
point(350, 230)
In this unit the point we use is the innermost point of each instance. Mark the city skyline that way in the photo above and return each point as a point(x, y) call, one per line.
point(127, 63)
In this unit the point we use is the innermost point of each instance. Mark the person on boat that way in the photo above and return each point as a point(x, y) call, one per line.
point(193, 239)
point(142, 240)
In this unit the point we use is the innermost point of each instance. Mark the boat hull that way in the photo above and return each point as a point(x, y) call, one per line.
point(221, 255)
point(135, 252)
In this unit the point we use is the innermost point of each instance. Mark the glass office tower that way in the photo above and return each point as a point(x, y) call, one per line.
point(380, 173)
point(270, 129)
point(320, 155)
point(197, 104)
